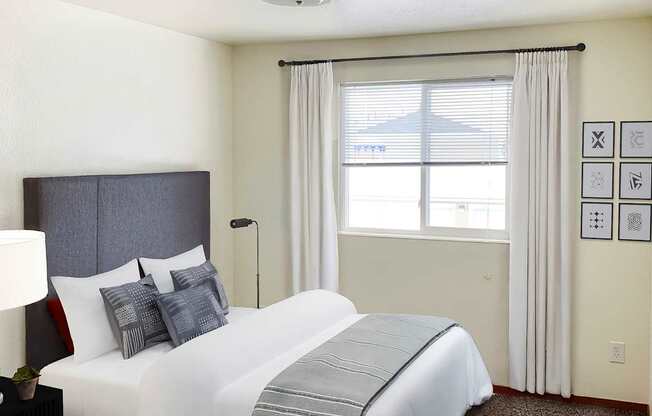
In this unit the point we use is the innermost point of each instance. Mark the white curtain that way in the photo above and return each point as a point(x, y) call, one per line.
point(539, 288)
point(313, 219)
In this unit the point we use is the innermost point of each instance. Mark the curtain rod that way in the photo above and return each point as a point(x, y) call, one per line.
point(579, 47)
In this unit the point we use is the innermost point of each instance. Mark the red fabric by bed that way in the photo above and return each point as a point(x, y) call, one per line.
point(56, 311)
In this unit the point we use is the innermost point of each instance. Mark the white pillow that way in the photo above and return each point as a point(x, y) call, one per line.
point(84, 308)
point(160, 268)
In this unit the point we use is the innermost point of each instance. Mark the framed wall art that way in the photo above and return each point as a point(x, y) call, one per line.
point(597, 220)
point(635, 222)
point(598, 180)
point(635, 180)
point(598, 139)
point(636, 139)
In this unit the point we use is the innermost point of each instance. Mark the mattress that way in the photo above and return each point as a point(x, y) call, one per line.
point(108, 385)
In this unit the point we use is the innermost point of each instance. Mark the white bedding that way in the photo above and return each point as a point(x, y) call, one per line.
point(109, 385)
point(223, 372)
point(445, 380)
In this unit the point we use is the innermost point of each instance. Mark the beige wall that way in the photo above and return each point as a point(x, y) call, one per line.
point(612, 80)
point(82, 92)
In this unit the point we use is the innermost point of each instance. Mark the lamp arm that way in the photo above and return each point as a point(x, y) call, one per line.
point(257, 265)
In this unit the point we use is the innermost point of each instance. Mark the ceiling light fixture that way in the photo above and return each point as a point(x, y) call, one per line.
point(297, 3)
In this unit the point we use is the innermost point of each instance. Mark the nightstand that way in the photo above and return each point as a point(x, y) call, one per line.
point(47, 401)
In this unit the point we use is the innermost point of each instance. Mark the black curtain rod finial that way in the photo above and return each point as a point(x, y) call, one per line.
point(581, 46)
point(281, 63)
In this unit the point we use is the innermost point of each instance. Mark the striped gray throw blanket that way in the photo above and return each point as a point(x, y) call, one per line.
point(344, 376)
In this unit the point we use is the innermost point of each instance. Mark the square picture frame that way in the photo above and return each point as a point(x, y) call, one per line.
point(598, 139)
point(635, 180)
point(598, 180)
point(635, 139)
point(596, 222)
point(635, 222)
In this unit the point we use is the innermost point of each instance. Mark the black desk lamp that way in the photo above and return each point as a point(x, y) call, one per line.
point(246, 222)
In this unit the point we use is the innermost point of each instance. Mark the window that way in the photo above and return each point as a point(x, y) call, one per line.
point(443, 142)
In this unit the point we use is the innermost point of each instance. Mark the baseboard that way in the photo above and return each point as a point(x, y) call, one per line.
point(612, 404)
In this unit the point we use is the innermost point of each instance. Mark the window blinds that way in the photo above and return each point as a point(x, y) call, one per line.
point(451, 122)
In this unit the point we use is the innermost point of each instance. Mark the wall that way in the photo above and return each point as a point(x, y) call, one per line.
point(467, 281)
point(83, 92)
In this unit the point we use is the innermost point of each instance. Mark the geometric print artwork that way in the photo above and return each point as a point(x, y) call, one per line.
point(597, 180)
point(193, 276)
point(635, 222)
point(597, 220)
point(635, 139)
point(598, 139)
point(191, 312)
point(635, 181)
point(134, 316)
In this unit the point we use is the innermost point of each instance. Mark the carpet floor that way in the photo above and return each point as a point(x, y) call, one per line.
point(508, 405)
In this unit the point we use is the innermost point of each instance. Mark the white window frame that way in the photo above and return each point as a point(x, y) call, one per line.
point(425, 231)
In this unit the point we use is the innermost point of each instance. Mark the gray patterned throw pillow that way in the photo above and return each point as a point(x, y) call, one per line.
point(193, 276)
point(134, 316)
point(191, 312)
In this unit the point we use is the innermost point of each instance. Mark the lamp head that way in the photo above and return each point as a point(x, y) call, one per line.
point(23, 278)
point(241, 222)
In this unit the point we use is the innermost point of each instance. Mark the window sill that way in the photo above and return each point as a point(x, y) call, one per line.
point(421, 237)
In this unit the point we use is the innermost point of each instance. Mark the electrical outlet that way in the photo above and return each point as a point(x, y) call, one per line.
point(617, 352)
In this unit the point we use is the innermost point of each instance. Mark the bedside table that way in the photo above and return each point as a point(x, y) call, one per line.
point(47, 401)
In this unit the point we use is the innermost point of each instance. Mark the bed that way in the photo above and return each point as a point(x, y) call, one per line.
point(95, 223)
point(109, 385)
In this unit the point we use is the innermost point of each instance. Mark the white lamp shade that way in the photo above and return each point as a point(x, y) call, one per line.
point(23, 268)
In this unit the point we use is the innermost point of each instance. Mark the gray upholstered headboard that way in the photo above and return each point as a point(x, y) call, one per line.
point(93, 224)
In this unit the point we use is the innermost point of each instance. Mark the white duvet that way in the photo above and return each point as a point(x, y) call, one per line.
point(222, 373)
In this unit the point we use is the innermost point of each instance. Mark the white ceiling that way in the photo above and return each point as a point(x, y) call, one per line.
point(245, 21)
